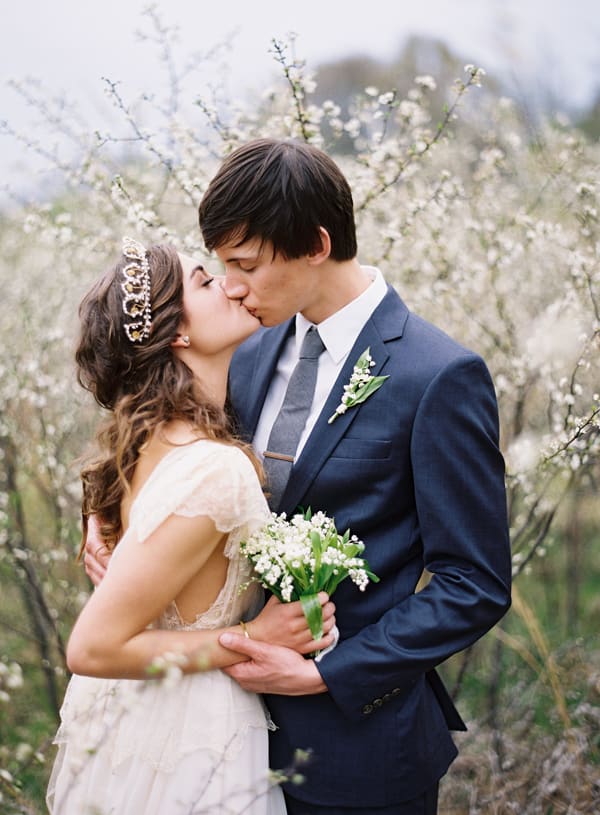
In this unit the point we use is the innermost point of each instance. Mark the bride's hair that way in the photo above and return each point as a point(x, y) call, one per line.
point(141, 382)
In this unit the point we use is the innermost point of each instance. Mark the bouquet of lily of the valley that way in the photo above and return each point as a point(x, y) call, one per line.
point(297, 558)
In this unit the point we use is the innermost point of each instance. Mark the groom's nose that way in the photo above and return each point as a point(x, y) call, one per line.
point(234, 288)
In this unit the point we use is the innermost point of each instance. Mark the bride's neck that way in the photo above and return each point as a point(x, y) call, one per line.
point(211, 375)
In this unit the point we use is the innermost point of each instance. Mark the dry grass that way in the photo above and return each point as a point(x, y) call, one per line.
point(532, 767)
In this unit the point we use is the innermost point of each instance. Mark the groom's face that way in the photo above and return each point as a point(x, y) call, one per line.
point(271, 288)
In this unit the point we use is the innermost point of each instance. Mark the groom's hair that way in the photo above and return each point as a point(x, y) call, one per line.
point(279, 191)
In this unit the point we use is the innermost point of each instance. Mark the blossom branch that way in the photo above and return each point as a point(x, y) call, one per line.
point(413, 153)
point(293, 75)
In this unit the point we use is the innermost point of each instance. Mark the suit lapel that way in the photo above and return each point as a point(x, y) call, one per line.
point(385, 324)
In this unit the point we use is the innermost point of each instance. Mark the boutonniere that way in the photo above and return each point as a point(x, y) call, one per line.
point(361, 385)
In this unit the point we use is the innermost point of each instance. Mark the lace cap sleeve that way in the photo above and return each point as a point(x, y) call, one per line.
point(206, 478)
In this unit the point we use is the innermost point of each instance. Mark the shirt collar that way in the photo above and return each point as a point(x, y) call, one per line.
point(340, 331)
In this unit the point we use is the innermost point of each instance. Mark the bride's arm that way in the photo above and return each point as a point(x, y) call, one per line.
point(110, 637)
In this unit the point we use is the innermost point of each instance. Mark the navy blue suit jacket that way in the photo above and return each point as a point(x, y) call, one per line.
point(415, 472)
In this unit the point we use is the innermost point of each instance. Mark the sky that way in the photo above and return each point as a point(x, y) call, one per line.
point(70, 44)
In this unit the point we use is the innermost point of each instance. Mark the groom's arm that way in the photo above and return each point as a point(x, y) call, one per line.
point(272, 669)
point(460, 501)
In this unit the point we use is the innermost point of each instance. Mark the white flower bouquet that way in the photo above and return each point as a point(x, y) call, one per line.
point(295, 559)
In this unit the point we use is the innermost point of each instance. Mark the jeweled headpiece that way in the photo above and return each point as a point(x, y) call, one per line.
point(136, 290)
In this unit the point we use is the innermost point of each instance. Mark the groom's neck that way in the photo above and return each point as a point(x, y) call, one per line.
point(340, 282)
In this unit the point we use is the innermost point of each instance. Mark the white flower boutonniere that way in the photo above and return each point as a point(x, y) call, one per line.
point(361, 385)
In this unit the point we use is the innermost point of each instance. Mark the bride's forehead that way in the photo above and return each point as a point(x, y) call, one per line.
point(190, 265)
point(187, 262)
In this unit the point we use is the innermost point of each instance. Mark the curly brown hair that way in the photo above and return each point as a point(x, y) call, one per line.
point(143, 385)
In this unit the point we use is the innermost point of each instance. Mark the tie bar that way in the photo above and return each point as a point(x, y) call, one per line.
point(279, 456)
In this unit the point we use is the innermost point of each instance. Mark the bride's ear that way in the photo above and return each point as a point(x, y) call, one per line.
point(181, 341)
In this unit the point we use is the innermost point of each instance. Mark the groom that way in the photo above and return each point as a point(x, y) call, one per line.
point(415, 472)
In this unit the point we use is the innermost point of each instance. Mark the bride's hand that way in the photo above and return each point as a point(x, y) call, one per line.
point(285, 624)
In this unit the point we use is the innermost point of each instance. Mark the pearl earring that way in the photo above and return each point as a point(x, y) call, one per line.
point(186, 341)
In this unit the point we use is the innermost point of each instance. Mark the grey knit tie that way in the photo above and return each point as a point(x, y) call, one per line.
point(290, 421)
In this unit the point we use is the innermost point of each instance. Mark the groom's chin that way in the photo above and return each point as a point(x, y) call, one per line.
point(271, 320)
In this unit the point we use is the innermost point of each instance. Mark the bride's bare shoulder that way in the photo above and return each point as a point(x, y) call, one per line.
point(164, 440)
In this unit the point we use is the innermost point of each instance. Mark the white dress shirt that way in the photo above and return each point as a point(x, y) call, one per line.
point(338, 333)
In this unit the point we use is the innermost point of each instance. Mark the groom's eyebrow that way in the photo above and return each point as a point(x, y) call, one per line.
point(249, 254)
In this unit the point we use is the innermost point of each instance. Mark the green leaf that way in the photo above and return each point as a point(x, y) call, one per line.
point(362, 360)
point(313, 614)
point(302, 579)
point(315, 542)
point(370, 387)
point(323, 578)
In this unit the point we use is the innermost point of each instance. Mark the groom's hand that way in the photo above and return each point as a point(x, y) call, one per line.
point(272, 668)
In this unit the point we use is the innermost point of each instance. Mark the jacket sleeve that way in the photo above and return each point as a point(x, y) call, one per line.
point(458, 474)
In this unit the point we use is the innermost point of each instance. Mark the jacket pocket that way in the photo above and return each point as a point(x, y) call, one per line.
point(365, 449)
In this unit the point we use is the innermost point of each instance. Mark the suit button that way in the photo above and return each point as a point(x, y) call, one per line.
point(396, 691)
point(367, 709)
point(377, 702)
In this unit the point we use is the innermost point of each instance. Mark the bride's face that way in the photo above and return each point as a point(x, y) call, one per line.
point(212, 321)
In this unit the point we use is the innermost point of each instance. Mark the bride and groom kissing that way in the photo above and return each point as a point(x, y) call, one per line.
point(213, 385)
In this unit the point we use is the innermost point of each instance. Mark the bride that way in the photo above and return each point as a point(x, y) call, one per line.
point(149, 724)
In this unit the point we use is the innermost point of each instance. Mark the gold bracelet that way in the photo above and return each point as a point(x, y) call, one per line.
point(245, 630)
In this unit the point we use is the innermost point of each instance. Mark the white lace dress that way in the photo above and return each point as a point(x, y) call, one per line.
point(197, 744)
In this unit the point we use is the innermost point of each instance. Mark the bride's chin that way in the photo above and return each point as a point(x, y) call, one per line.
point(253, 326)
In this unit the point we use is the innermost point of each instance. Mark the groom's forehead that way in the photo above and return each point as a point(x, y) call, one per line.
point(252, 248)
